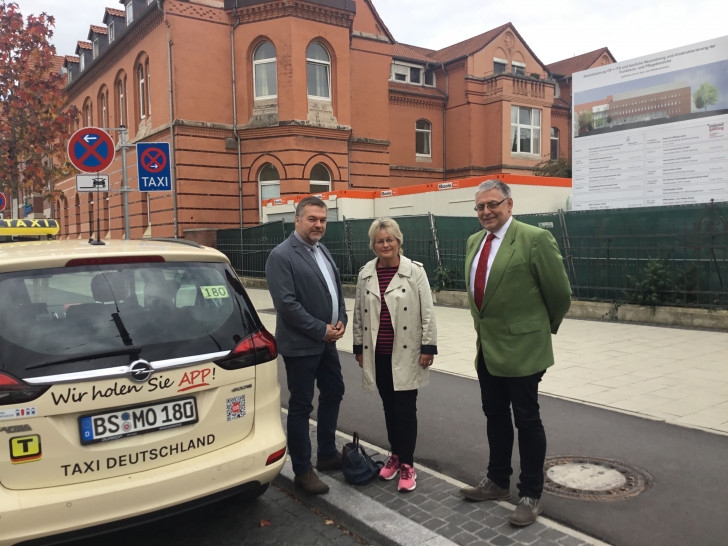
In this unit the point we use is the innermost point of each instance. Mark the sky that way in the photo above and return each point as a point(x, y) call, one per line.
point(554, 30)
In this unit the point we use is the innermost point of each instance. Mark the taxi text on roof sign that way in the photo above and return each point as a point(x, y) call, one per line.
point(37, 226)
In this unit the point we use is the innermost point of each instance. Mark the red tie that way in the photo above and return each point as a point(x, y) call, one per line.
point(480, 273)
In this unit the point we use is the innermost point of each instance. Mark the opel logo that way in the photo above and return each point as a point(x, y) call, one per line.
point(140, 371)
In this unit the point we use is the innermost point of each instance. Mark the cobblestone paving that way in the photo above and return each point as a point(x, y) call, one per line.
point(437, 505)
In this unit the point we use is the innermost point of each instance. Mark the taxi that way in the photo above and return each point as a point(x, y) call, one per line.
point(135, 377)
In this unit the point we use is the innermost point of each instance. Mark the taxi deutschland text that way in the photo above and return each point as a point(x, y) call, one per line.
point(128, 459)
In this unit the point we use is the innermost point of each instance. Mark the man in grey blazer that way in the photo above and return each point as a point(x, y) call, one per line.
point(310, 317)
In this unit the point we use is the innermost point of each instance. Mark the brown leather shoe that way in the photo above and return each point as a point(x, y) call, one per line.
point(526, 512)
point(310, 483)
point(485, 490)
point(332, 463)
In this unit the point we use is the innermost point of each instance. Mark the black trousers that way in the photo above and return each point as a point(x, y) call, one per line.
point(400, 411)
point(499, 395)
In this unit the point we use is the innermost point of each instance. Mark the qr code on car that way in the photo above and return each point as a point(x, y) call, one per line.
point(236, 407)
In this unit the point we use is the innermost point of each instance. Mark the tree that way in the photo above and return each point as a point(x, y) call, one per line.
point(586, 121)
point(560, 168)
point(34, 119)
point(706, 95)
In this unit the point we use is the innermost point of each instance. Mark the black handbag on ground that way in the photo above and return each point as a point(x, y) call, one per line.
point(358, 467)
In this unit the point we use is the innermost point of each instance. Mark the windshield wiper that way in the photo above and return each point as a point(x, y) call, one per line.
point(91, 355)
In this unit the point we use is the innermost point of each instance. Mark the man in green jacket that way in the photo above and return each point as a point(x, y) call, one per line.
point(519, 293)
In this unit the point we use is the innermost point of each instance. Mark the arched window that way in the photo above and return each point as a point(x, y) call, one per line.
point(265, 78)
point(423, 138)
point(103, 108)
point(320, 179)
point(270, 182)
point(554, 143)
point(142, 92)
point(318, 71)
point(87, 113)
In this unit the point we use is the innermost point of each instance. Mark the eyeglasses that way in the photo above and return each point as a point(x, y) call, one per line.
point(480, 207)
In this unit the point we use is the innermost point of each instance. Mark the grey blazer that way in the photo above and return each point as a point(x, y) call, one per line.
point(301, 298)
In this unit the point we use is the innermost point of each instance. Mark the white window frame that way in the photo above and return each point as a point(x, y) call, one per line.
point(81, 62)
point(104, 111)
point(406, 70)
point(129, 12)
point(142, 95)
point(499, 61)
point(149, 88)
point(518, 68)
point(318, 62)
point(320, 182)
point(517, 127)
point(120, 97)
point(262, 183)
point(95, 47)
point(256, 63)
point(110, 28)
point(428, 137)
point(554, 139)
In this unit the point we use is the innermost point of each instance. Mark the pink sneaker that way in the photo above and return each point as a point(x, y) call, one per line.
point(390, 469)
point(407, 476)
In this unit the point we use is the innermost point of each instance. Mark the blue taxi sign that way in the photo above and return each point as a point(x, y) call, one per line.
point(153, 166)
point(91, 150)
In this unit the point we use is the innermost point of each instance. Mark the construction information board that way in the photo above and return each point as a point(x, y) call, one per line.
point(652, 131)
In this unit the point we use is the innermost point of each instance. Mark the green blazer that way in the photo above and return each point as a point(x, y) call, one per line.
point(526, 298)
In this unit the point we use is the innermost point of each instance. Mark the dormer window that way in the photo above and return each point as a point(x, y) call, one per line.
point(96, 47)
point(129, 12)
point(82, 62)
point(111, 31)
point(412, 74)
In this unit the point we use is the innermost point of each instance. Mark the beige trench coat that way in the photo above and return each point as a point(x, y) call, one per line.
point(409, 301)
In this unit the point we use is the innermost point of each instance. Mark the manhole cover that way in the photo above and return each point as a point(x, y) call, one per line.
point(593, 479)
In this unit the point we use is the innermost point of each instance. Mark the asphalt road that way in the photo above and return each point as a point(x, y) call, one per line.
point(684, 504)
point(275, 518)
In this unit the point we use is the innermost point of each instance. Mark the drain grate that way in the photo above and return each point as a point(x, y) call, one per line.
point(593, 479)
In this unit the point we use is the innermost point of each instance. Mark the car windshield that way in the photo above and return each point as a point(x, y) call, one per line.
point(78, 318)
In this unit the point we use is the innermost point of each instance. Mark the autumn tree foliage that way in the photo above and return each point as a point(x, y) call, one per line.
point(34, 119)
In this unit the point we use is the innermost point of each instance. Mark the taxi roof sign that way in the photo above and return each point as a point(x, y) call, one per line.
point(28, 226)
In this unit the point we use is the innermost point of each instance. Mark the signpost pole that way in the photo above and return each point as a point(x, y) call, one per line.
point(98, 240)
point(124, 182)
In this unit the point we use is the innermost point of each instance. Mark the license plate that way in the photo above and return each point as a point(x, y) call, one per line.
point(113, 425)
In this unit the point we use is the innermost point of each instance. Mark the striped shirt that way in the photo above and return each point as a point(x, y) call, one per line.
point(385, 337)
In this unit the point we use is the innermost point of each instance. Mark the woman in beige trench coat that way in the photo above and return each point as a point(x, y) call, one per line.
point(395, 341)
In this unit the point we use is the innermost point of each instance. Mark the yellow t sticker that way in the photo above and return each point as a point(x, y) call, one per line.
point(214, 292)
point(24, 449)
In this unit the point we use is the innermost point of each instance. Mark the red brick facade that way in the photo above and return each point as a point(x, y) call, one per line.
point(294, 97)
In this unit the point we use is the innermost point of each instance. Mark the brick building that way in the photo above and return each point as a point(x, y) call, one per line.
point(260, 99)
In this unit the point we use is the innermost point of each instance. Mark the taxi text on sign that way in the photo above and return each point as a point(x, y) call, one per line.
point(91, 150)
point(153, 166)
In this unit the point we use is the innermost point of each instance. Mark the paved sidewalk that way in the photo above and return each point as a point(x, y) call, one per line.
point(434, 514)
point(676, 375)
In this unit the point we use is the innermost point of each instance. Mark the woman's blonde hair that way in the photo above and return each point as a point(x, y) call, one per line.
point(390, 226)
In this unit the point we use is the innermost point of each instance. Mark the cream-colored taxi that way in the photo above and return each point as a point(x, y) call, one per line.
point(135, 377)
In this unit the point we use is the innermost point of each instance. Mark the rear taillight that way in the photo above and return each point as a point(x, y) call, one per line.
point(277, 456)
point(14, 391)
point(255, 349)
